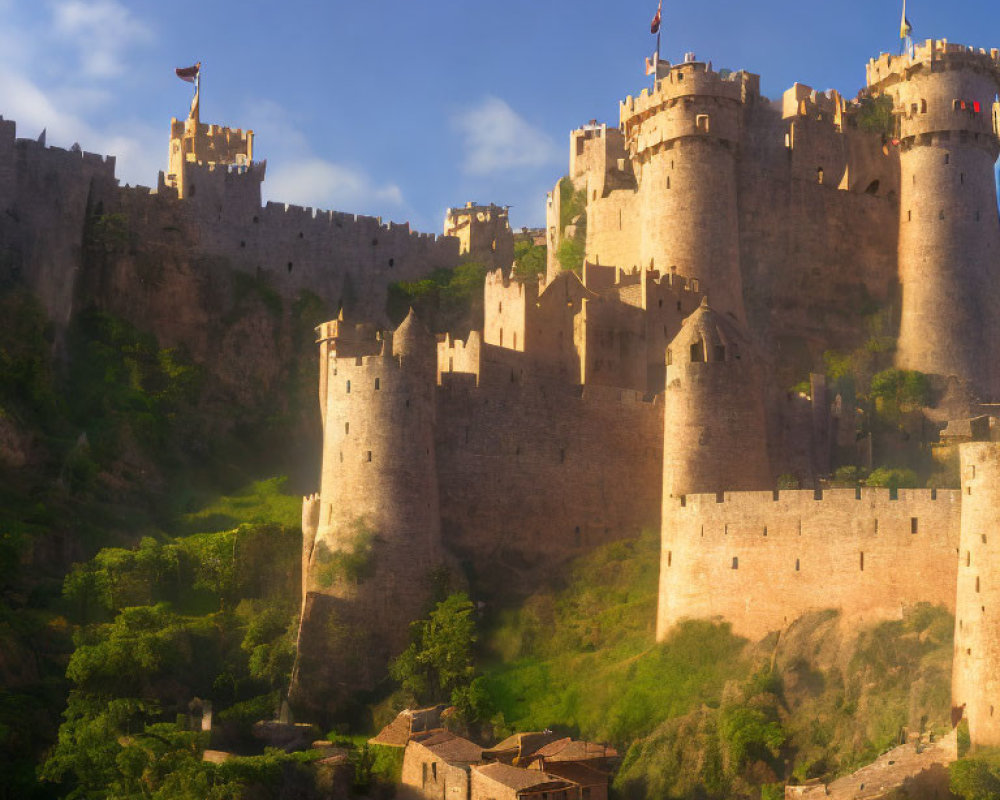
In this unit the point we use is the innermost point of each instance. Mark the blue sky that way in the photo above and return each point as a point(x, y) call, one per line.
point(405, 108)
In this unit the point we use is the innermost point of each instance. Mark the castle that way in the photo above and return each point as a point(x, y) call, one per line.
point(728, 241)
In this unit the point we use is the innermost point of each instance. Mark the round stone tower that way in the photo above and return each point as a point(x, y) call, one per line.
point(714, 436)
point(376, 522)
point(976, 669)
point(683, 139)
point(949, 237)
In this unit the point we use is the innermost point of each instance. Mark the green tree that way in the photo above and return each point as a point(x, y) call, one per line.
point(529, 258)
point(439, 660)
point(976, 778)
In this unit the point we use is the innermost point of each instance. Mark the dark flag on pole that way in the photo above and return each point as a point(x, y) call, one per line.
point(654, 26)
point(189, 74)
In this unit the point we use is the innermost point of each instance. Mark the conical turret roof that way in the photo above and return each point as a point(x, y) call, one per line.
point(412, 338)
point(712, 330)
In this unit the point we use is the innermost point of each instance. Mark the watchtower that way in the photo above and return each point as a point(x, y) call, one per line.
point(976, 668)
point(714, 436)
point(683, 138)
point(374, 533)
point(949, 236)
point(483, 233)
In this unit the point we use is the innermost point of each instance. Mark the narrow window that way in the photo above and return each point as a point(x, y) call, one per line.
point(348, 387)
point(796, 565)
point(347, 427)
point(678, 305)
point(514, 344)
point(977, 583)
point(697, 352)
point(923, 106)
point(701, 121)
point(668, 181)
point(968, 558)
point(562, 456)
point(984, 538)
point(862, 562)
point(765, 530)
point(501, 337)
point(576, 536)
point(423, 779)
point(909, 216)
point(670, 355)
point(378, 384)
point(819, 175)
point(434, 770)
point(736, 562)
point(941, 214)
point(947, 158)
point(876, 526)
point(369, 456)
point(720, 352)
point(670, 558)
point(289, 267)
point(962, 178)
point(392, 262)
point(913, 524)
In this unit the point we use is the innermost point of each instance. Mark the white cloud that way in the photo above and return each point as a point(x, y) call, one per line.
point(101, 30)
point(323, 184)
point(496, 138)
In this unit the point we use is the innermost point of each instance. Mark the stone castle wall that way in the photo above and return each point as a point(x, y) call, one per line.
point(761, 559)
point(975, 678)
point(45, 193)
point(534, 473)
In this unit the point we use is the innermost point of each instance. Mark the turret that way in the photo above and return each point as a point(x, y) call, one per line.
point(378, 534)
point(714, 424)
point(483, 232)
point(683, 139)
point(949, 236)
point(976, 669)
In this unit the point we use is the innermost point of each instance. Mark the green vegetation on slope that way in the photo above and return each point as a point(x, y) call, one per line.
point(167, 625)
point(706, 714)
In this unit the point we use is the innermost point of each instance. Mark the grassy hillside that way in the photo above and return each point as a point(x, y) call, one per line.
point(705, 713)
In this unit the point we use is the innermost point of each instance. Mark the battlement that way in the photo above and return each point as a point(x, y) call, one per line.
point(806, 499)
point(56, 155)
point(934, 55)
point(688, 80)
point(804, 101)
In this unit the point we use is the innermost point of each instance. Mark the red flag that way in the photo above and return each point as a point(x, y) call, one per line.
point(654, 26)
point(189, 74)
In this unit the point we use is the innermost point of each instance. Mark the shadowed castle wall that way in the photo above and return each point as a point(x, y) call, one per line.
point(534, 472)
point(760, 559)
point(45, 193)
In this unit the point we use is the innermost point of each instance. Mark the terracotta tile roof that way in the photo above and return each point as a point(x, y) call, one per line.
point(449, 747)
point(520, 745)
point(572, 750)
point(398, 732)
point(578, 773)
point(395, 734)
point(519, 779)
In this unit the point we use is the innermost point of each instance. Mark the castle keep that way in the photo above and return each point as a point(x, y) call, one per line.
point(729, 240)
